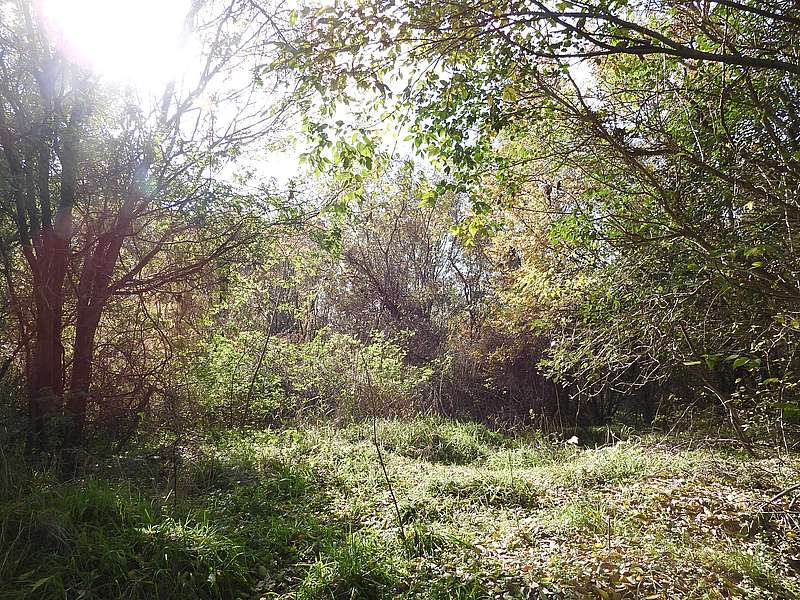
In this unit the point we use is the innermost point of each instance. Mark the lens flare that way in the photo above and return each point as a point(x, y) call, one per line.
point(137, 42)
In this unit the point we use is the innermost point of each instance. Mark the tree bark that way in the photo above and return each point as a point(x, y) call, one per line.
point(46, 385)
point(93, 293)
point(77, 399)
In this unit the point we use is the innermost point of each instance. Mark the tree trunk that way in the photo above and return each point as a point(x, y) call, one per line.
point(46, 386)
point(81, 379)
point(93, 293)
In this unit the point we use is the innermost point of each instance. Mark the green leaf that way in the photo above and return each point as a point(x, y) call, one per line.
point(40, 582)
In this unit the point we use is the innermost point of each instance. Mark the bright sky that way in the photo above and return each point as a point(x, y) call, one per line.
point(142, 43)
point(136, 42)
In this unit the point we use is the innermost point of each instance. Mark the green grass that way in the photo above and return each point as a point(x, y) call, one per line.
point(432, 440)
point(308, 515)
point(356, 567)
point(103, 540)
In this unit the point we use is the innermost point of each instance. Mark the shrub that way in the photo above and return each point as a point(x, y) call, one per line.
point(333, 375)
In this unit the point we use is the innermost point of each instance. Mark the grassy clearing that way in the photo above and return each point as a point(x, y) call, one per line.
point(308, 515)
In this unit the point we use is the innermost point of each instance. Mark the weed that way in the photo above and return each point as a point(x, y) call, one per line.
point(434, 440)
point(355, 568)
point(306, 514)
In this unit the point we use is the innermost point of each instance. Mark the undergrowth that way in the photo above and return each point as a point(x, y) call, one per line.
point(308, 514)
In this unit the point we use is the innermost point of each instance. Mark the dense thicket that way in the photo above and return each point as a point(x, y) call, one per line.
point(641, 161)
point(593, 215)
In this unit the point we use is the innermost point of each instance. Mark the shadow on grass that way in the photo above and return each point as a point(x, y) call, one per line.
point(245, 527)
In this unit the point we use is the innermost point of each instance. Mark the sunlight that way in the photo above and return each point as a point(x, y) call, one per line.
point(139, 43)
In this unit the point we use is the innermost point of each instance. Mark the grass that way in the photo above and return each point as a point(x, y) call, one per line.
point(308, 515)
point(357, 567)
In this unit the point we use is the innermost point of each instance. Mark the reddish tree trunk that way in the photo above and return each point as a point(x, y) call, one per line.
point(81, 379)
point(93, 293)
point(46, 385)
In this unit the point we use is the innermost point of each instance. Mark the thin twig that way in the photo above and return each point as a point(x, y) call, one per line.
point(380, 454)
point(781, 494)
point(261, 356)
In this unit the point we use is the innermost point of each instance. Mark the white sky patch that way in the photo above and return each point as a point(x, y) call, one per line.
point(145, 45)
point(135, 42)
point(282, 166)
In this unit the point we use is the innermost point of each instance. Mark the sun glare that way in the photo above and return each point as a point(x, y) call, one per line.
point(136, 42)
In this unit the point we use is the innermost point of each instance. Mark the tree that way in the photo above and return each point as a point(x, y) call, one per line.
point(400, 268)
point(110, 197)
point(663, 137)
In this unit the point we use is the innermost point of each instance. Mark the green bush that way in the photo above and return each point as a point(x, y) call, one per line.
point(333, 376)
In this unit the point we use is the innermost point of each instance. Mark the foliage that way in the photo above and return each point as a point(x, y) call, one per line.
point(642, 157)
point(333, 375)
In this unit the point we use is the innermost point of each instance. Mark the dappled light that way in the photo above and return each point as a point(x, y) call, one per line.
point(313, 300)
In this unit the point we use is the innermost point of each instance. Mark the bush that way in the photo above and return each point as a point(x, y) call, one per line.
point(333, 375)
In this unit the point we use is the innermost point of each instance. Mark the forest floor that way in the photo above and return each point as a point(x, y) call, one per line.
point(308, 514)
